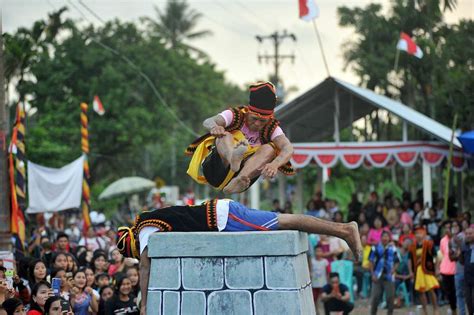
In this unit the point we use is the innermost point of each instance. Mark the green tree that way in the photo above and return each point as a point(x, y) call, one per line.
point(438, 84)
point(136, 135)
point(176, 25)
point(23, 49)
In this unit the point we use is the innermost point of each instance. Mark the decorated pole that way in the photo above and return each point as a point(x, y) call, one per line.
point(86, 203)
point(17, 180)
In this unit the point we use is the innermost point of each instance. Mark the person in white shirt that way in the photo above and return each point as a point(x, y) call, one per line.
point(91, 241)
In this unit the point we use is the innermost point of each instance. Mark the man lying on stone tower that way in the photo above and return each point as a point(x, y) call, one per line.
point(242, 144)
point(220, 215)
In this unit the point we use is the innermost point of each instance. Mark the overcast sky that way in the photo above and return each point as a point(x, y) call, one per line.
point(234, 24)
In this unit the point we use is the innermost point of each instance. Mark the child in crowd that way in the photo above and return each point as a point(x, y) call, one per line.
point(133, 274)
point(375, 233)
point(402, 273)
point(422, 265)
point(319, 271)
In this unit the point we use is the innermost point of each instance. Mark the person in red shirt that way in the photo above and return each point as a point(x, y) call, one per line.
point(40, 293)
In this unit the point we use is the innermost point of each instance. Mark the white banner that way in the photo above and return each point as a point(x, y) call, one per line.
point(54, 189)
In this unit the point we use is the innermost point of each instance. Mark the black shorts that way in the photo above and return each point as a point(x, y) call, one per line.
point(215, 171)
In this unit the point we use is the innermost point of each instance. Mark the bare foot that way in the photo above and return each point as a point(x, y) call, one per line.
point(353, 240)
point(237, 155)
point(237, 185)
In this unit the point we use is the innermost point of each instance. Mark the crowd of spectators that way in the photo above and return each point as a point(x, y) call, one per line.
point(90, 274)
point(413, 255)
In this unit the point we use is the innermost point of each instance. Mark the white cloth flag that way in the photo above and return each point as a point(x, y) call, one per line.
point(54, 189)
point(308, 10)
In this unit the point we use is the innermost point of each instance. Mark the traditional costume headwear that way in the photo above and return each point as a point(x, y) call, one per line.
point(126, 243)
point(262, 102)
point(262, 99)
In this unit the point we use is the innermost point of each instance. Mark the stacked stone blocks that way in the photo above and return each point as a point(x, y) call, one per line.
point(229, 273)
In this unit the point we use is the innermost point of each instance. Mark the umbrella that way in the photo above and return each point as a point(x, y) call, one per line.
point(125, 186)
point(467, 141)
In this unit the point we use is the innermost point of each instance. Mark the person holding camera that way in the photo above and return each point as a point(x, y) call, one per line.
point(336, 297)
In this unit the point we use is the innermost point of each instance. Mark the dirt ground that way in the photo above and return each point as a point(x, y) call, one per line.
point(362, 307)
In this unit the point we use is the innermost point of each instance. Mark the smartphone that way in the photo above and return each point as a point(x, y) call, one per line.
point(9, 277)
point(56, 286)
point(64, 306)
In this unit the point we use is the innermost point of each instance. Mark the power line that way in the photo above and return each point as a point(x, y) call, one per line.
point(137, 69)
point(252, 13)
point(277, 58)
point(229, 11)
point(306, 64)
point(91, 11)
point(229, 28)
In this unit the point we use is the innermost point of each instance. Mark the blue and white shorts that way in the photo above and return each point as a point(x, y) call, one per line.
point(242, 219)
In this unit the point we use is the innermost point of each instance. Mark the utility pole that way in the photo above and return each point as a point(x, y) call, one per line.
point(276, 57)
point(5, 237)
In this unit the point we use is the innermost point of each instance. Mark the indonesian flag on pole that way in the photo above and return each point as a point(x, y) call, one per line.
point(97, 105)
point(407, 44)
point(308, 10)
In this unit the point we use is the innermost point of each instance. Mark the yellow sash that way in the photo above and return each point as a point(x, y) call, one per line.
point(203, 150)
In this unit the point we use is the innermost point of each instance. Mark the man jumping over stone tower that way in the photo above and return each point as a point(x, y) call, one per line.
point(242, 144)
point(220, 215)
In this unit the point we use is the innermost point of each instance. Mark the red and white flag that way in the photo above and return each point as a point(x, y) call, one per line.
point(407, 44)
point(97, 105)
point(308, 10)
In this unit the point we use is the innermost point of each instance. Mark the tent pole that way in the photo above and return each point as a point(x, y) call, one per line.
point(281, 189)
point(405, 139)
point(299, 192)
point(405, 131)
point(394, 173)
point(427, 184)
point(255, 195)
point(336, 116)
point(351, 117)
point(365, 128)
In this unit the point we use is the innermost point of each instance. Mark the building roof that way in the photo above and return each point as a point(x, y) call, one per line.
point(310, 116)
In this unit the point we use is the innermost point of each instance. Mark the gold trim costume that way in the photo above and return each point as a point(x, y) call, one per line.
point(422, 259)
point(203, 150)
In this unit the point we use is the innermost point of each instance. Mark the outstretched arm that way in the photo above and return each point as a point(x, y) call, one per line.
point(286, 152)
point(144, 278)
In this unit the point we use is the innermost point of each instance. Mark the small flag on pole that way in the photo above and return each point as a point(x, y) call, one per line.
point(97, 105)
point(308, 10)
point(407, 44)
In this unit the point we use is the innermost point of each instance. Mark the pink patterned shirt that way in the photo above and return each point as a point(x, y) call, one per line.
point(253, 137)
